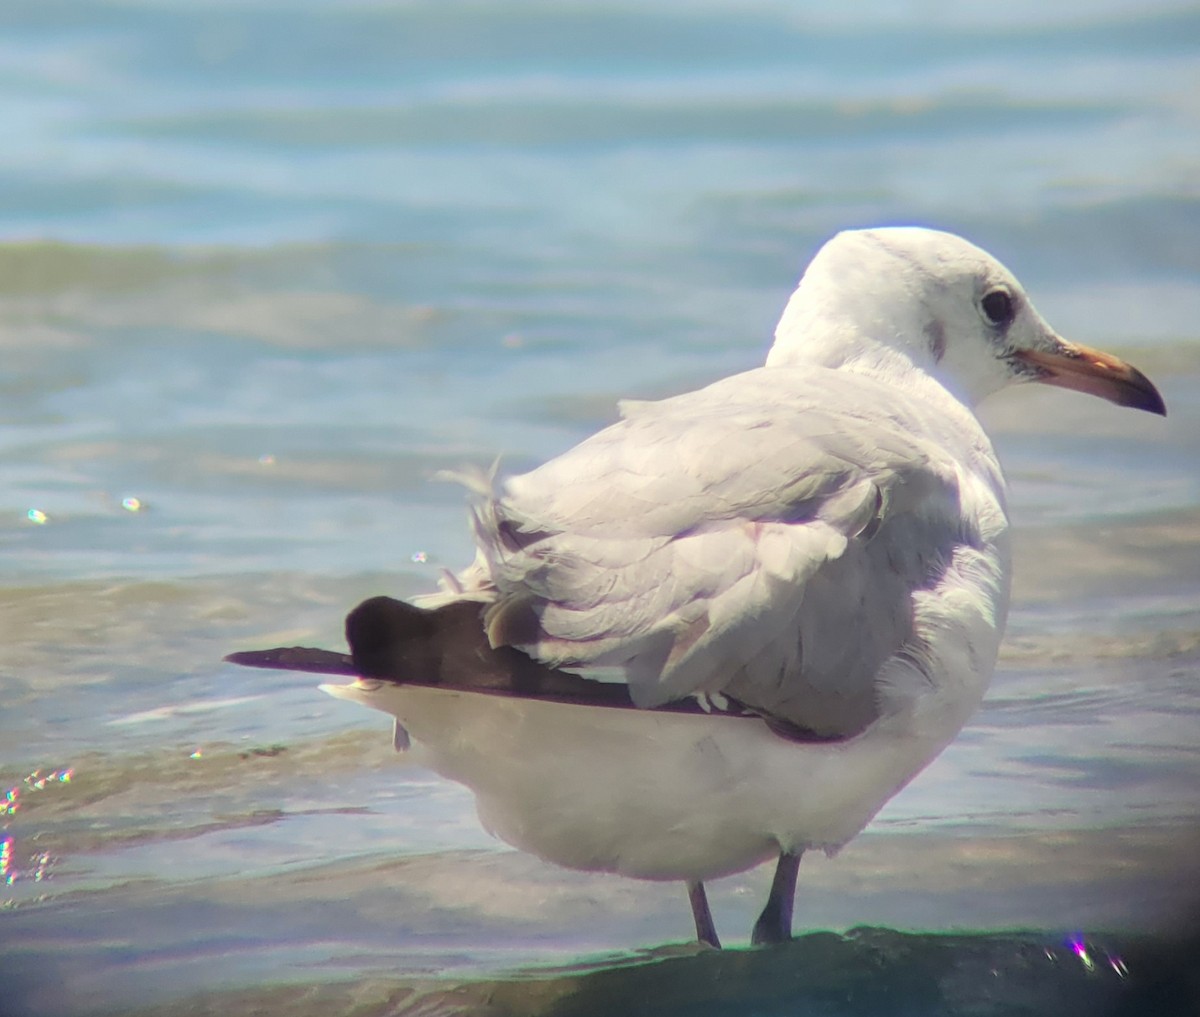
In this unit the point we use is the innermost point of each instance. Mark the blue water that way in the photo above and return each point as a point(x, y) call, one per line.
point(266, 268)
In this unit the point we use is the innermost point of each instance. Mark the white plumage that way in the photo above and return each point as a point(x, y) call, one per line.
point(760, 538)
point(640, 793)
point(822, 540)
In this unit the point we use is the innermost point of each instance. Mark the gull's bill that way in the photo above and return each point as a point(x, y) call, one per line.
point(1094, 372)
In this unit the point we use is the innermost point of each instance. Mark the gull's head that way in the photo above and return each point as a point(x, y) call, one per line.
point(885, 300)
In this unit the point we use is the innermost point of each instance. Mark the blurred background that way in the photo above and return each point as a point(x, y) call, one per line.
point(266, 267)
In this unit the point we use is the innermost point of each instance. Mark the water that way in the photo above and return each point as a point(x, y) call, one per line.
point(265, 268)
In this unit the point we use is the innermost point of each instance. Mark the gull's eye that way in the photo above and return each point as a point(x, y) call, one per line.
point(997, 307)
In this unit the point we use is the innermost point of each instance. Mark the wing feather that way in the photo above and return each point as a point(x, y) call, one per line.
point(756, 537)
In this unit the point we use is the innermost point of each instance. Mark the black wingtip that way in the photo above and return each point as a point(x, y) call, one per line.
point(295, 658)
point(393, 640)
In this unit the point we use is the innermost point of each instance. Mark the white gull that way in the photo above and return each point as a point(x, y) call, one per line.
point(791, 585)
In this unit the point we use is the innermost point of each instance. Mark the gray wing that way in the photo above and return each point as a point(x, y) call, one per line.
point(752, 538)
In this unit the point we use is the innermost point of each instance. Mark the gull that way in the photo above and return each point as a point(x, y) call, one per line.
point(732, 625)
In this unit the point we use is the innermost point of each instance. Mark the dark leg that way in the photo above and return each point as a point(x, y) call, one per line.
point(774, 925)
point(706, 931)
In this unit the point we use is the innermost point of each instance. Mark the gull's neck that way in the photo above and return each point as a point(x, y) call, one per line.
point(826, 327)
point(851, 350)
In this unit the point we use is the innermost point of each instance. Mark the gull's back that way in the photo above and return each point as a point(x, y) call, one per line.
point(778, 537)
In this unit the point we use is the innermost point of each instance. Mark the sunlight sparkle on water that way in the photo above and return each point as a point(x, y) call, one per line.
point(36, 516)
point(1077, 944)
point(1080, 948)
point(40, 864)
point(36, 781)
point(132, 504)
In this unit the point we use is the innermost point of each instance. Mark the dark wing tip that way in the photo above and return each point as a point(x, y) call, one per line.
point(393, 640)
point(295, 658)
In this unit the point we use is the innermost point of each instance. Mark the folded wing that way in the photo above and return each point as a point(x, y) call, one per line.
point(758, 538)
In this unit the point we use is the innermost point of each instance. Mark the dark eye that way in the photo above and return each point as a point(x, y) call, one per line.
point(997, 308)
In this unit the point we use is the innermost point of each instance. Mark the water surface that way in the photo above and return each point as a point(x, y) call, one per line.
point(266, 268)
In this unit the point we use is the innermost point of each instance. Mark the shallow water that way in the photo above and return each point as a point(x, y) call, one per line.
point(266, 268)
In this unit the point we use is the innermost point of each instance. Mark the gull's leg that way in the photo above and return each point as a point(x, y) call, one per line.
point(774, 925)
point(706, 931)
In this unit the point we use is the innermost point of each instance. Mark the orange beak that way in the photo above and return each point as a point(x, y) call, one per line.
point(1100, 374)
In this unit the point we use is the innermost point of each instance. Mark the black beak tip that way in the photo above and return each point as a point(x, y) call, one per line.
point(1142, 395)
